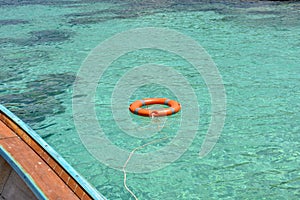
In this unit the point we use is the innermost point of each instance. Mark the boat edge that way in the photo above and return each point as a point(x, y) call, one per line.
point(72, 172)
point(22, 174)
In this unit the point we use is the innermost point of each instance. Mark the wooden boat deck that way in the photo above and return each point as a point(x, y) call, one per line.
point(44, 177)
point(43, 174)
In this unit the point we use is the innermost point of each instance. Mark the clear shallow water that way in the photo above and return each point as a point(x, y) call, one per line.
point(256, 47)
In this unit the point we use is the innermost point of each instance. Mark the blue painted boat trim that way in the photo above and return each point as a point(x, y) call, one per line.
point(22, 173)
point(80, 180)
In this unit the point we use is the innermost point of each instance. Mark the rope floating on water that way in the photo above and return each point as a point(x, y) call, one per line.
point(129, 157)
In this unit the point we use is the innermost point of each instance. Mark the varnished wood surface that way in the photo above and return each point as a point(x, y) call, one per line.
point(44, 177)
point(49, 157)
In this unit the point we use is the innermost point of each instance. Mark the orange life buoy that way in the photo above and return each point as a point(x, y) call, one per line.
point(135, 107)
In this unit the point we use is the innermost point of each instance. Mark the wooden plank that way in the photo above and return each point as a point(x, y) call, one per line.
point(70, 177)
point(16, 130)
point(5, 132)
point(44, 177)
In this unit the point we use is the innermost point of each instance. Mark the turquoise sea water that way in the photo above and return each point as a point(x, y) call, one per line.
point(255, 46)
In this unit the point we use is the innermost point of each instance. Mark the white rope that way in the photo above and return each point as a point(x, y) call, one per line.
point(129, 157)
